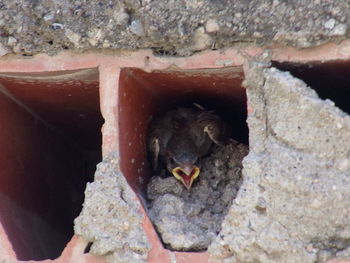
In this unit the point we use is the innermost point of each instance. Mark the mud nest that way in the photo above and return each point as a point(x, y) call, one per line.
point(190, 220)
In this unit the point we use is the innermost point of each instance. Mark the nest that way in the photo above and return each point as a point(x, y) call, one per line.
point(190, 220)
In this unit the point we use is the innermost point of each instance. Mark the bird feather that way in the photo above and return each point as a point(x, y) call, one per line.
point(184, 133)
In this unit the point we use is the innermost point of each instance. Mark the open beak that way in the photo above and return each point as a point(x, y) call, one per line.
point(186, 174)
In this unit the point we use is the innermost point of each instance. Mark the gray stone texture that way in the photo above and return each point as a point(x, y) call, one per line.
point(294, 202)
point(169, 27)
point(111, 217)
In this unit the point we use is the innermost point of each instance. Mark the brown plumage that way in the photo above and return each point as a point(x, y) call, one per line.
point(179, 138)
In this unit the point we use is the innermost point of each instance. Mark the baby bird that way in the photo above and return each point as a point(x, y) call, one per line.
point(181, 137)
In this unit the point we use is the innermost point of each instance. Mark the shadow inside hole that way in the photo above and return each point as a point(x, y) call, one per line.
point(331, 80)
point(50, 145)
point(88, 248)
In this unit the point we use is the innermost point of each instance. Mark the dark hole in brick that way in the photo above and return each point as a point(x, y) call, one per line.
point(50, 144)
point(87, 248)
point(329, 79)
point(143, 95)
point(164, 52)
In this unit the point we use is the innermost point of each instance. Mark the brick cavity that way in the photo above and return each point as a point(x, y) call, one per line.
point(50, 143)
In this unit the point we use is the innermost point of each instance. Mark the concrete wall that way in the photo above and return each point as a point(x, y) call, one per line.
point(112, 83)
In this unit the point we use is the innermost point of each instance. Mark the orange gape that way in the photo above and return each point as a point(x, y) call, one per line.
point(186, 179)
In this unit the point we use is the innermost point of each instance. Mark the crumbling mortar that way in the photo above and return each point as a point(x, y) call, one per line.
point(295, 196)
point(261, 96)
point(111, 218)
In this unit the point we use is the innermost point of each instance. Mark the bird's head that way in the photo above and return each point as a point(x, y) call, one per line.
point(183, 158)
point(186, 170)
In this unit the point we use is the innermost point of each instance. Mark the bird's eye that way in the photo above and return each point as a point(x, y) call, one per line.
point(208, 128)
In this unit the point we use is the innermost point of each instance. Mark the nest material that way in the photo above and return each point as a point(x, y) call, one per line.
point(190, 220)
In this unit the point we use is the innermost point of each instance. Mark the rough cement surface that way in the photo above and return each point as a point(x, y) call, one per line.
point(111, 217)
point(294, 202)
point(175, 27)
point(190, 220)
